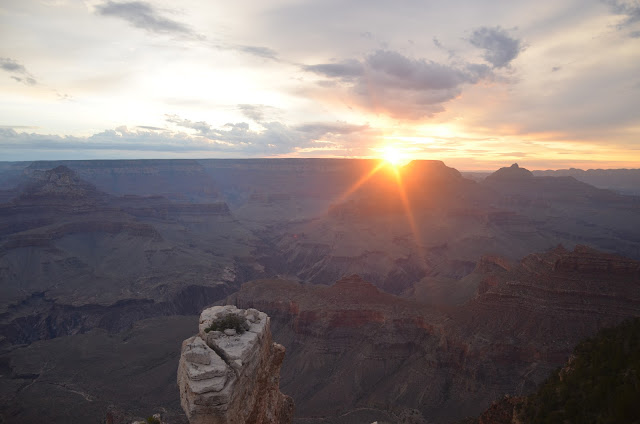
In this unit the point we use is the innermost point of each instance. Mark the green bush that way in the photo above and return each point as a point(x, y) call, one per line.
point(234, 321)
point(152, 420)
point(602, 386)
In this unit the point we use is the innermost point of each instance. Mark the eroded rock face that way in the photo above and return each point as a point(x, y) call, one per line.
point(233, 378)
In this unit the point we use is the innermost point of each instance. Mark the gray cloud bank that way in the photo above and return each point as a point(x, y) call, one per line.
point(18, 72)
point(197, 137)
point(389, 82)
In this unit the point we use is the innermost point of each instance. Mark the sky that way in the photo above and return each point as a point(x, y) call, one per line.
point(476, 84)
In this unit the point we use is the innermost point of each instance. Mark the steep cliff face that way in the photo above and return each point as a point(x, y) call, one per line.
point(232, 375)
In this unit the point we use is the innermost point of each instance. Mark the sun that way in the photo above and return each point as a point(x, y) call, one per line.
point(394, 156)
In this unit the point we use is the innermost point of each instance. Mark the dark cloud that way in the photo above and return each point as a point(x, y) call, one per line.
point(556, 68)
point(396, 70)
point(389, 82)
point(635, 34)
point(499, 48)
point(144, 16)
point(629, 8)
point(10, 65)
point(18, 71)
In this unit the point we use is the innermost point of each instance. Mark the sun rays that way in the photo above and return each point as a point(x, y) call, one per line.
point(408, 210)
point(392, 163)
point(359, 183)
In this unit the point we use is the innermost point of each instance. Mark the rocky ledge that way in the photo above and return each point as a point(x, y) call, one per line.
point(230, 371)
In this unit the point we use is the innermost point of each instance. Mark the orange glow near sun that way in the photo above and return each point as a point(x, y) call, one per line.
point(394, 156)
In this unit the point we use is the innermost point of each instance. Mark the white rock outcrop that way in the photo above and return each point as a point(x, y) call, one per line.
point(227, 377)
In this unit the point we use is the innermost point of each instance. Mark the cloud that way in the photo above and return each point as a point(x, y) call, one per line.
point(389, 82)
point(273, 138)
point(149, 127)
point(347, 69)
point(260, 51)
point(396, 70)
point(499, 48)
point(319, 129)
point(629, 8)
point(18, 71)
point(253, 112)
point(64, 97)
point(257, 112)
point(201, 127)
point(144, 16)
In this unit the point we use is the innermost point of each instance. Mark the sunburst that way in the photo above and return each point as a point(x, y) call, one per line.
point(394, 156)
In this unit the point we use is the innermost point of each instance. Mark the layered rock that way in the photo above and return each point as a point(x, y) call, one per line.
point(354, 349)
point(228, 377)
point(362, 348)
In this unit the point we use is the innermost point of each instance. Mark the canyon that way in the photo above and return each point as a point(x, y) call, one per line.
point(410, 294)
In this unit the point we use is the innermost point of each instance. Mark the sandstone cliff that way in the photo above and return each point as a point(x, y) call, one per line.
point(232, 376)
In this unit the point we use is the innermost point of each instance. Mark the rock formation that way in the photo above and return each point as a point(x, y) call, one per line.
point(361, 347)
point(232, 375)
point(514, 172)
point(58, 183)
